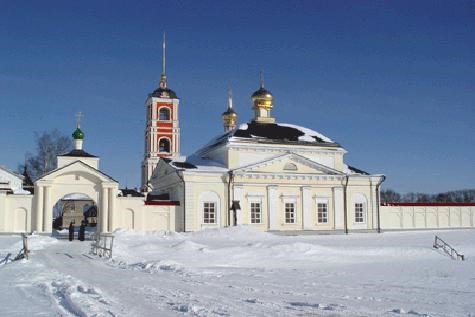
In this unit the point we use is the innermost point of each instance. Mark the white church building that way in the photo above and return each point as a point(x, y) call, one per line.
point(269, 175)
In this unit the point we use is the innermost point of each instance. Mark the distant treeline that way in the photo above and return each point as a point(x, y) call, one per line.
point(457, 196)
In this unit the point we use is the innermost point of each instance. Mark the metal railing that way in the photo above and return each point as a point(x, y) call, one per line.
point(102, 244)
point(441, 244)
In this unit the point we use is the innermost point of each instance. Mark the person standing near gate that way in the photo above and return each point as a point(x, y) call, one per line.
point(71, 231)
point(82, 230)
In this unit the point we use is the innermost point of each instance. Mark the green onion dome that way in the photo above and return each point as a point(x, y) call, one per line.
point(78, 134)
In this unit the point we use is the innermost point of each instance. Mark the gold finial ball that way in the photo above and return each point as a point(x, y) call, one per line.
point(262, 98)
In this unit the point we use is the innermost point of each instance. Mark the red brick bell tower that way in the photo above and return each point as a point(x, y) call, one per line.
point(162, 130)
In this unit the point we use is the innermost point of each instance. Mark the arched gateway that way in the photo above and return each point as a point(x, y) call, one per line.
point(80, 177)
point(77, 172)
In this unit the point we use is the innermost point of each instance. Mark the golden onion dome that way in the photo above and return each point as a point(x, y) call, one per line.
point(229, 113)
point(262, 98)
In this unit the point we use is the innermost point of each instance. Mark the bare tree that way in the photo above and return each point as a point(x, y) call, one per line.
point(48, 146)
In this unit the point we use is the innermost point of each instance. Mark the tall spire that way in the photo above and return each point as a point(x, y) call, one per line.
point(163, 76)
point(261, 79)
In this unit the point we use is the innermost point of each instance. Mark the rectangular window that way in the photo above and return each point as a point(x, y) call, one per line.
point(322, 212)
point(209, 212)
point(289, 212)
point(359, 213)
point(255, 212)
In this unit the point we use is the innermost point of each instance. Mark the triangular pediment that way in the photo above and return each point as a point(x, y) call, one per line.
point(289, 163)
point(76, 167)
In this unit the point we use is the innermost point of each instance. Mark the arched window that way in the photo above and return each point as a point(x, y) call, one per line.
point(164, 145)
point(210, 206)
point(164, 114)
point(359, 208)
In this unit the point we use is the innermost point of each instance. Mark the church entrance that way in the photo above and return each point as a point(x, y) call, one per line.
point(76, 209)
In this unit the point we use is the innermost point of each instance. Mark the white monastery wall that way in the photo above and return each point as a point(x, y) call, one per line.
point(430, 216)
point(15, 212)
point(132, 213)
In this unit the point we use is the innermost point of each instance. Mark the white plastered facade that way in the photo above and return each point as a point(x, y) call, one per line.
point(271, 177)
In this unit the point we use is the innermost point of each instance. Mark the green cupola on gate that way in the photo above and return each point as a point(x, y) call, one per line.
point(78, 134)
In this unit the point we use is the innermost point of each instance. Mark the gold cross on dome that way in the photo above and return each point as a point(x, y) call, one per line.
point(78, 115)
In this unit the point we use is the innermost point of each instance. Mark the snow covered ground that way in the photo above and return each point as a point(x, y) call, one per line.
point(242, 272)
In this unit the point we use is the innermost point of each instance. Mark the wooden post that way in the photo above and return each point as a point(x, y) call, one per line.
point(25, 245)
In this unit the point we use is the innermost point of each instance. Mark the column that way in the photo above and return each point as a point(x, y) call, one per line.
point(48, 210)
point(39, 208)
point(273, 204)
point(104, 210)
point(111, 209)
point(307, 208)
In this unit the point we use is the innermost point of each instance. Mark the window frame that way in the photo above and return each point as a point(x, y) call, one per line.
point(253, 212)
point(209, 208)
point(322, 215)
point(293, 217)
point(359, 212)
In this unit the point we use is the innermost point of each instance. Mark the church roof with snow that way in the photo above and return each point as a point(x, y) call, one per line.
point(272, 133)
point(194, 162)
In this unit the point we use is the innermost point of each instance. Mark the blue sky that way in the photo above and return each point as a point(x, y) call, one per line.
point(392, 81)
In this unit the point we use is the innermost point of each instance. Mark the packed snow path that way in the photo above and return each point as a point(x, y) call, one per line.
point(241, 272)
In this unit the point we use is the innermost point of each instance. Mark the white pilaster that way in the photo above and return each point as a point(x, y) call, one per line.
point(273, 212)
point(374, 206)
point(338, 207)
point(306, 208)
point(112, 199)
point(39, 208)
point(104, 210)
point(48, 210)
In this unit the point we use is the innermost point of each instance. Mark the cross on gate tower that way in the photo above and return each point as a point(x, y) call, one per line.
point(162, 130)
point(78, 116)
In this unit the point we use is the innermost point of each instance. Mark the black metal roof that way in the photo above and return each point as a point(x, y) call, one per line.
point(183, 165)
point(78, 153)
point(357, 170)
point(164, 93)
point(129, 192)
point(275, 133)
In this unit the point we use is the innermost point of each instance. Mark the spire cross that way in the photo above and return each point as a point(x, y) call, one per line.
point(163, 77)
point(163, 53)
point(261, 79)
point(230, 98)
point(78, 115)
